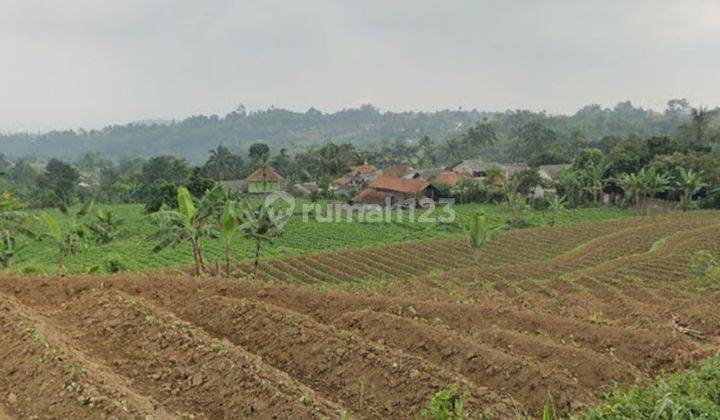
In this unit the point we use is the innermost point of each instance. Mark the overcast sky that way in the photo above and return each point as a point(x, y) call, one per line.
point(77, 63)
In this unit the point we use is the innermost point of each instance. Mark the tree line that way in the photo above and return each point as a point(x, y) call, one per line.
point(365, 127)
point(688, 156)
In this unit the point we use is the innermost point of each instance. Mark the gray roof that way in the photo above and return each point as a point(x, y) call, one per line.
point(237, 185)
point(553, 170)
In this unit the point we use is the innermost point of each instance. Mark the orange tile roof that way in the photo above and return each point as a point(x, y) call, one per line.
point(449, 178)
point(267, 174)
point(343, 180)
point(362, 169)
point(369, 196)
point(399, 184)
point(396, 170)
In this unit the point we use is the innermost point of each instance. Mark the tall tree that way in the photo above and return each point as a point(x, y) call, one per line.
point(60, 178)
point(700, 121)
point(223, 164)
point(257, 151)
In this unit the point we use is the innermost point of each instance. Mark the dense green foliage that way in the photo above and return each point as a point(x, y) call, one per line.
point(693, 394)
point(193, 137)
point(674, 155)
point(132, 245)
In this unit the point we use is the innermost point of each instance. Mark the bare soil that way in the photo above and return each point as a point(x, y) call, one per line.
point(567, 311)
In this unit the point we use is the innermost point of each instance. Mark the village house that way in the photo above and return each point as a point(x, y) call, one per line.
point(478, 168)
point(264, 180)
point(304, 189)
point(396, 191)
point(358, 177)
point(448, 178)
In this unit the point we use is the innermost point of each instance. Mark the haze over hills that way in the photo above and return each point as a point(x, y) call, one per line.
point(192, 137)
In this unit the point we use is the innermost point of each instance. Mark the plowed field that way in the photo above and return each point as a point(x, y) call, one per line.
point(373, 333)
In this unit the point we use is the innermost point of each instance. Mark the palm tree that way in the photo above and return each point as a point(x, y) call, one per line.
point(700, 120)
point(261, 225)
point(189, 223)
point(222, 163)
point(689, 183)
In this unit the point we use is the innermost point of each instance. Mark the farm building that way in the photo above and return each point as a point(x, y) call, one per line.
point(551, 172)
point(479, 168)
point(397, 190)
point(264, 180)
point(448, 178)
point(237, 185)
point(397, 171)
point(303, 189)
point(358, 177)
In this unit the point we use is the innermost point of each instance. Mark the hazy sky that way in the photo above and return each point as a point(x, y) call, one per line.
point(71, 63)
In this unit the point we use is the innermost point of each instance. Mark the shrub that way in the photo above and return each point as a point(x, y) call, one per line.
point(112, 264)
point(692, 394)
point(446, 404)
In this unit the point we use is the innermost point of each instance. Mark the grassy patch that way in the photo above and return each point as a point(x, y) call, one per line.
point(693, 394)
point(131, 249)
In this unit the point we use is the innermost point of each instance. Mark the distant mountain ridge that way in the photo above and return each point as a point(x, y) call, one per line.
point(194, 136)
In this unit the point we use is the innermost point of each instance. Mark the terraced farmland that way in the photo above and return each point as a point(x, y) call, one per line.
point(373, 333)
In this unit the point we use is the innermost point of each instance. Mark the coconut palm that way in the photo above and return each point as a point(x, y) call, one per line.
point(699, 121)
point(223, 164)
point(688, 183)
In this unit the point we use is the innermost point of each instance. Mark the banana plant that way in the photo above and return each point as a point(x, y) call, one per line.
point(689, 183)
point(261, 226)
point(69, 239)
point(556, 205)
point(231, 223)
point(646, 183)
point(189, 223)
point(479, 233)
point(104, 226)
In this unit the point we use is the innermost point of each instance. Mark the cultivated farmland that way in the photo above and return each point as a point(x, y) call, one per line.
point(566, 311)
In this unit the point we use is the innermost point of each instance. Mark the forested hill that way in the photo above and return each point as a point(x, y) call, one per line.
point(193, 137)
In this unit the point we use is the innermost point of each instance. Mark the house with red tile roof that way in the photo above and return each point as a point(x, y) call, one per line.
point(396, 190)
point(449, 178)
point(397, 171)
point(358, 177)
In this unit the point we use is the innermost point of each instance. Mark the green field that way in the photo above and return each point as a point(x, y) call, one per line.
point(133, 245)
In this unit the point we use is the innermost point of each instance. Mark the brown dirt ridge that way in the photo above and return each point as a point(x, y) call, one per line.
point(374, 333)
